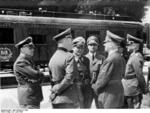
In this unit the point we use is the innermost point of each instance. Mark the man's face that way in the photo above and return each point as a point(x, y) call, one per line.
point(107, 46)
point(130, 48)
point(92, 47)
point(28, 50)
point(78, 50)
point(68, 43)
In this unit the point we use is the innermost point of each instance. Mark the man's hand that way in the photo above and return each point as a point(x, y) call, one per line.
point(52, 97)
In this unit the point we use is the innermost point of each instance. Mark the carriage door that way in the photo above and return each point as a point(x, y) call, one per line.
point(6, 48)
point(41, 48)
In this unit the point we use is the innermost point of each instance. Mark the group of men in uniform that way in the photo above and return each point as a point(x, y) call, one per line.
point(78, 79)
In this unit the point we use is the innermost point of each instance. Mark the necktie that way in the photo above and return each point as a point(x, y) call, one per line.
point(93, 57)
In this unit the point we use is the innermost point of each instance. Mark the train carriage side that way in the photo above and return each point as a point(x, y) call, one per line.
point(15, 28)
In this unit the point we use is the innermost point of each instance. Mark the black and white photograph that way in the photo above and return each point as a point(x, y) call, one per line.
point(74, 54)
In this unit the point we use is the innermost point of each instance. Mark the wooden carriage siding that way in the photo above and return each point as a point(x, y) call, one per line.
point(42, 29)
point(15, 28)
point(47, 27)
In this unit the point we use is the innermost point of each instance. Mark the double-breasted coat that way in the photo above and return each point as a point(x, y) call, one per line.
point(29, 80)
point(134, 82)
point(108, 85)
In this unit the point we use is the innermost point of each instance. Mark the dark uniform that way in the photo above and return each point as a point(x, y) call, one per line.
point(108, 85)
point(133, 82)
point(28, 78)
point(64, 93)
point(83, 79)
point(95, 63)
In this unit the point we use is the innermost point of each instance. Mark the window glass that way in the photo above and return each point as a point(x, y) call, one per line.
point(38, 38)
point(139, 34)
point(90, 33)
point(118, 32)
point(6, 36)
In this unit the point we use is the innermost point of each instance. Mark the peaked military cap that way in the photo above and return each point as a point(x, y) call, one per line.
point(131, 39)
point(92, 39)
point(111, 37)
point(62, 34)
point(26, 41)
point(78, 41)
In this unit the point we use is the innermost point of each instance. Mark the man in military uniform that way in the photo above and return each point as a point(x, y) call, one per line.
point(96, 61)
point(108, 85)
point(134, 82)
point(28, 77)
point(83, 80)
point(63, 72)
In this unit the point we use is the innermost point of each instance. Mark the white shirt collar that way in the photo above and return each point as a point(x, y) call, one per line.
point(113, 51)
point(91, 54)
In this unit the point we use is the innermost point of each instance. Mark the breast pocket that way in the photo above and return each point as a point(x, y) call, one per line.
point(129, 68)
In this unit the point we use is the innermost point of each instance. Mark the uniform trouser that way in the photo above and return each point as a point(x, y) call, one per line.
point(64, 105)
point(133, 101)
point(95, 98)
point(81, 101)
point(87, 96)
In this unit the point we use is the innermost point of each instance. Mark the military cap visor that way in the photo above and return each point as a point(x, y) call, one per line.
point(92, 40)
point(111, 37)
point(78, 41)
point(30, 45)
point(132, 40)
point(25, 42)
point(63, 34)
point(78, 44)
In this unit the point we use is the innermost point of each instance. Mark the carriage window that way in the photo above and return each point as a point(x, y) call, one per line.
point(117, 32)
point(90, 33)
point(38, 39)
point(6, 36)
point(139, 34)
point(61, 30)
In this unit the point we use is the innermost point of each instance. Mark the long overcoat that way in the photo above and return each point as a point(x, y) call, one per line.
point(108, 85)
point(63, 70)
point(29, 81)
point(134, 82)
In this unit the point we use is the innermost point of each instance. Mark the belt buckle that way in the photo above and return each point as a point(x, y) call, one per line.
point(82, 75)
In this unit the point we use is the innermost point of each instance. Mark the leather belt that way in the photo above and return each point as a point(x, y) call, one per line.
point(54, 82)
point(130, 77)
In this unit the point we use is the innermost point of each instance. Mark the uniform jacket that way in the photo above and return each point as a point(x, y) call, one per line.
point(108, 85)
point(83, 81)
point(63, 70)
point(84, 70)
point(29, 80)
point(137, 84)
point(95, 65)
